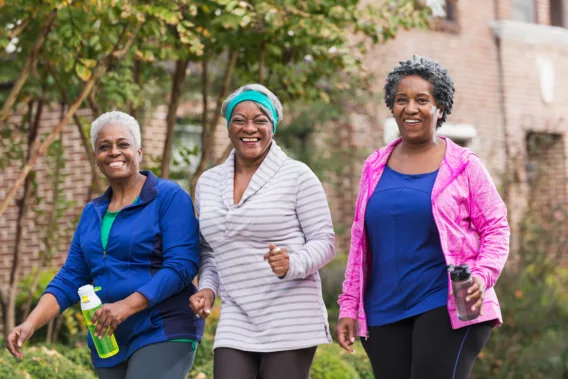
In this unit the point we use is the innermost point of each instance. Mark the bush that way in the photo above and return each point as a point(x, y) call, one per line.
point(330, 364)
point(41, 362)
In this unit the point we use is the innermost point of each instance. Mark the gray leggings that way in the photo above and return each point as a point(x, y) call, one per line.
point(167, 360)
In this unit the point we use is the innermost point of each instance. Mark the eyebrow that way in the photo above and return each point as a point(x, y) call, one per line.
point(419, 93)
point(242, 115)
point(118, 140)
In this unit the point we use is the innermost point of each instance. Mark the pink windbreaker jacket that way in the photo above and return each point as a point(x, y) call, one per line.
point(471, 218)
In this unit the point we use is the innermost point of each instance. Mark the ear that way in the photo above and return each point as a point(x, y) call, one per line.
point(139, 153)
point(441, 112)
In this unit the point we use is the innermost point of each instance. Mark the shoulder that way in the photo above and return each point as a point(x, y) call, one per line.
point(168, 188)
point(211, 176)
point(302, 171)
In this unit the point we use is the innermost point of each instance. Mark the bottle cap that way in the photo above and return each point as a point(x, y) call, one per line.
point(459, 273)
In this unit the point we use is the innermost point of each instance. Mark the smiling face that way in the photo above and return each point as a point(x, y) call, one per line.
point(415, 109)
point(116, 152)
point(250, 131)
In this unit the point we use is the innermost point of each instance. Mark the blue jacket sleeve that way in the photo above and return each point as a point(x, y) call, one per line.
point(180, 247)
point(74, 273)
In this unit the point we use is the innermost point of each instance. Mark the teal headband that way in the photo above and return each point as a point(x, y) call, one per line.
point(257, 97)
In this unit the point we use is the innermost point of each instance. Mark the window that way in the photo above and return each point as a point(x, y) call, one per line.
point(462, 134)
point(524, 10)
point(556, 13)
point(444, 9)
point(186, 152)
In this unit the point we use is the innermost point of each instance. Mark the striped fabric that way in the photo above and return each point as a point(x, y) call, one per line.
point(284, 204)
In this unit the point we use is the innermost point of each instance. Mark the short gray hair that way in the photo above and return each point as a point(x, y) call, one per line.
point(258, 88)
point(116, 117)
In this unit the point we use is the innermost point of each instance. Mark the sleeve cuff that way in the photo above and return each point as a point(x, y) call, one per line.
point(348, 313)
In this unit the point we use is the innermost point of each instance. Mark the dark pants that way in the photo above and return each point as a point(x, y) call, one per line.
point(425, 346)
point(164, 360)
point(238, 364)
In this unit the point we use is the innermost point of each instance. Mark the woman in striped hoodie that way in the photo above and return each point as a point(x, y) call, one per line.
point(266, 231)
point(424, 203)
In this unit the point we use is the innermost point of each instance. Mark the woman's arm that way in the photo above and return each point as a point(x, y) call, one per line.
point(180, 247)
point(60, 294)
point(489, 217)
point(313, 213)
point(349, 298)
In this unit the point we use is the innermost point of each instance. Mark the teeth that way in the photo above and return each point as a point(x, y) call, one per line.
point(116, 164)
point(249, 139)
point(412, 121)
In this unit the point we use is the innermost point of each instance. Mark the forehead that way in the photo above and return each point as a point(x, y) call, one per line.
point(114, 131)
point(414, 84)
point(247, 108)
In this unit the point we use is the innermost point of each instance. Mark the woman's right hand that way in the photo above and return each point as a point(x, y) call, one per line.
point(17, 337)
point(345, 326)
point(201, 302)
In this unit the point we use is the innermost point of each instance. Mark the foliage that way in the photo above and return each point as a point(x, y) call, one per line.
point(327, 365)
point(42, 362)
point(533, 341)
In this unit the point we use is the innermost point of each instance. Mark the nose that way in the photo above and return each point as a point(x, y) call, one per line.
point(412, 107)
point(114, 151)
point(250, 127)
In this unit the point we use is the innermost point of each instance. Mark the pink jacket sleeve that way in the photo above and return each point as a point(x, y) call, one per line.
point(489, 217)
point(349, 298)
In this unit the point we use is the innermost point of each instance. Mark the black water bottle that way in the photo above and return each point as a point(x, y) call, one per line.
point(461, 281)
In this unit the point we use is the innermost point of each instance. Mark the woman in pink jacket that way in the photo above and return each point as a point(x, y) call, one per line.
point(424, 203)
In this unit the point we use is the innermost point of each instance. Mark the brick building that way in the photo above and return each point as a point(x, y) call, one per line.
point(508, 59)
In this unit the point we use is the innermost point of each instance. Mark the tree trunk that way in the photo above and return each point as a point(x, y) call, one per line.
point(23, 203)
point(208, 134)
point(95, 182)
point(30, 63)
point(177, 84)
point(99, 70)
point(261, 62)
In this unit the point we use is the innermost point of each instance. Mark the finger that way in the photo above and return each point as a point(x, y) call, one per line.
point(207, 305)
point(351, 335)
point(101, 327)
point(344, 343)
point(473, 287)
point(11, 343)
point(473, 296)
point(97, 315)
point(271, 246)
point(477, 305)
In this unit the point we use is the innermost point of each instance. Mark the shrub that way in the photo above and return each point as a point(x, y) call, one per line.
point(41, 362)
point(329, 364)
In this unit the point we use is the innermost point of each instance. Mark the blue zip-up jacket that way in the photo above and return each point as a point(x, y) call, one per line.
point(153, 248)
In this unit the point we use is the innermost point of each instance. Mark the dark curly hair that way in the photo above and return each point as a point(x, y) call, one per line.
point(442, 84)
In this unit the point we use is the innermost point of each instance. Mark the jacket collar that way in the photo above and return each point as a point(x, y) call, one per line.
point(454, 162)
point(267, 169)
point(148, 193)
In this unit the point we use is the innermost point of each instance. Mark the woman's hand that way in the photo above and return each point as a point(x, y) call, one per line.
point(109, 316)
point(17, 337)
point(278, 259)
point(476, 292)
point(201, 302)
point(345, 326)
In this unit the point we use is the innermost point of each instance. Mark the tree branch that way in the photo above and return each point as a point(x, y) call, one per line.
point(98, 71)
point(261, 62)
point(177, 83)
point(208, 134)
point(30, 63)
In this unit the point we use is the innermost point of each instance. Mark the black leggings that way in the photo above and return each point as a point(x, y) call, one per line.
point(425, 346)
point(238, 364)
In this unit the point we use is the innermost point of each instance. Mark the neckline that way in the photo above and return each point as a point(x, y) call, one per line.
point(388, 167)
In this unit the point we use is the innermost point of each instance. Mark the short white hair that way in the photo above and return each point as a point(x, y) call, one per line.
point(116, 117)
point(258, 88)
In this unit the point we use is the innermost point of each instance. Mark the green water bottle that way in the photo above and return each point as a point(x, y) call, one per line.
point(90, 302)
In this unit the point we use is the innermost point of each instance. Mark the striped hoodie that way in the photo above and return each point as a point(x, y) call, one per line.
point(284, 204)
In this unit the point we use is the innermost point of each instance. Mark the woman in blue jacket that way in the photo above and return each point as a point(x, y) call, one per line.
point(138, 242)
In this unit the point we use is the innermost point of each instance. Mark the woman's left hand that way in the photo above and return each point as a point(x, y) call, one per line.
point(278, 259)
point(109, 316)
point(476, 292)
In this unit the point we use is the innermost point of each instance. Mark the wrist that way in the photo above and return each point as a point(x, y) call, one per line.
point(135, 303)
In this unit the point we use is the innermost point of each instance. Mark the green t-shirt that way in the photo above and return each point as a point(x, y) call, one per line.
point(108, 220)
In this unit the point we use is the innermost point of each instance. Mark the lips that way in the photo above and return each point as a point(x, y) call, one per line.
point(250, 140)
point(116, 164)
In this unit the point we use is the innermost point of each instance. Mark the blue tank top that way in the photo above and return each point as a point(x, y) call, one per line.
point(408, 270)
